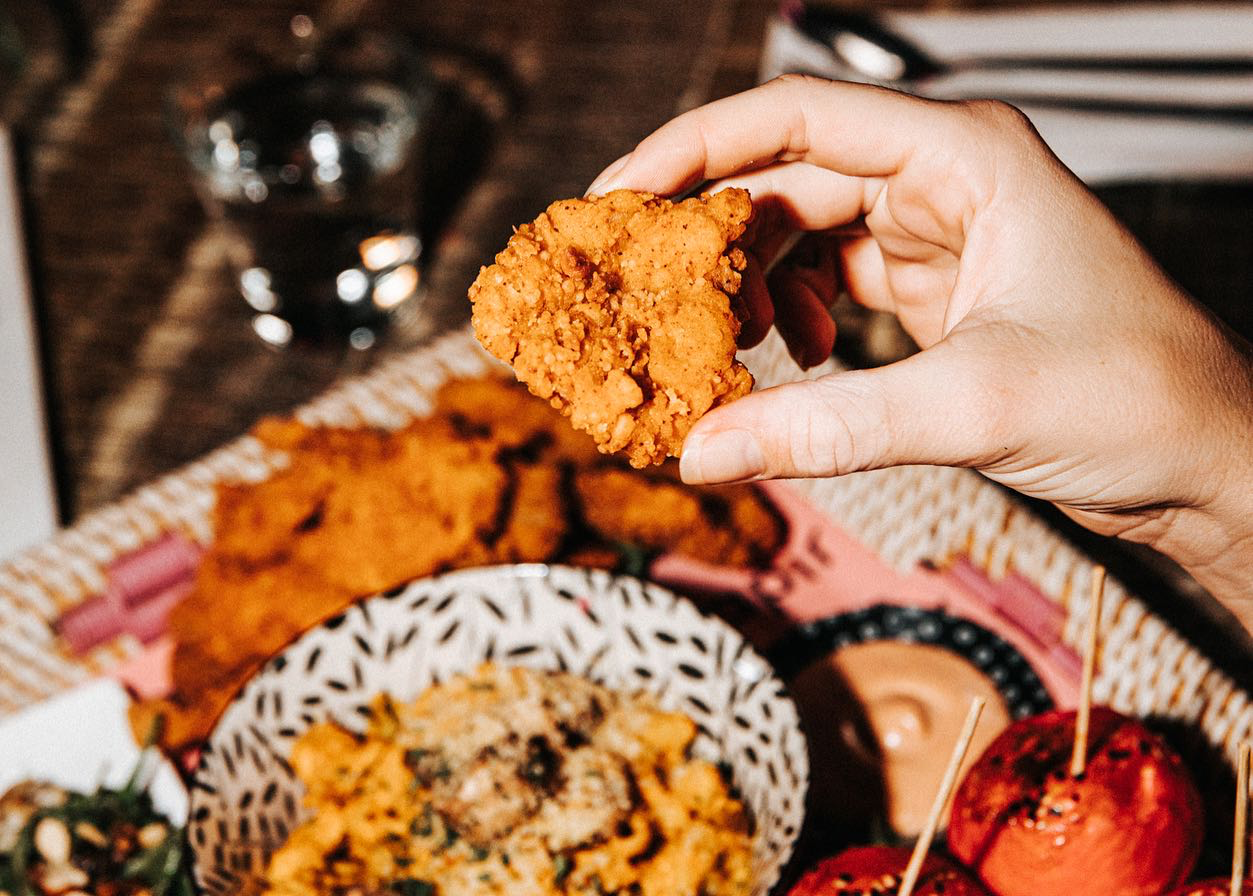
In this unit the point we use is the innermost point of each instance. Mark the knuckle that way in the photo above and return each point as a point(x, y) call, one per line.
point(999, 115)
point(843, 428)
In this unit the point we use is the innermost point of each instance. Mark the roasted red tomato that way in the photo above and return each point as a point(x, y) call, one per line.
point(1129, 826)
point(878, 870)
point(1214, 886)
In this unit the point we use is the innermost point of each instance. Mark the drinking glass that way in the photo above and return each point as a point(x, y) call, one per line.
point(311, 166)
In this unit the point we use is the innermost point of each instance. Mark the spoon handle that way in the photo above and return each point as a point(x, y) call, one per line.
point(1242, 114)
point(1115, 91)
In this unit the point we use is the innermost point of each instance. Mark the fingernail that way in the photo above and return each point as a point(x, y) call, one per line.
point(604, 183)
point(726, 456)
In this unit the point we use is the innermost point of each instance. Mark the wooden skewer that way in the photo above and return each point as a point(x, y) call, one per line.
point(1079, 758)
point(1242, 820)
point(910, 878)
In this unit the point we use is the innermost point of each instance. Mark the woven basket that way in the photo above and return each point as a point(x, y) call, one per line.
point(908, 515)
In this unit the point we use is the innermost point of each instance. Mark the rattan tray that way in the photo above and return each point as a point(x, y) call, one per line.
point(908, 515)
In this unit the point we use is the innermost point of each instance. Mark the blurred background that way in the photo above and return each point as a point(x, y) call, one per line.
point(150, 355)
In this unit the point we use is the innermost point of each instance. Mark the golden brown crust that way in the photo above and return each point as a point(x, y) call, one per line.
point(728, 525)
point(617, 309)
point(493, 476)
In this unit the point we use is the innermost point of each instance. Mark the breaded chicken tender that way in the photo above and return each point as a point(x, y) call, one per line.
point(493, 475)
point(617, 309)
point(727, 525)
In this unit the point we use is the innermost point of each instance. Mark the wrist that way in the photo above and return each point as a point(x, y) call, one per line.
point(1219, 558)
point(1214, 541)
point(1212, 538)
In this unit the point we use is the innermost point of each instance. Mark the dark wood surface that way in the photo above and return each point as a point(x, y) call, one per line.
point(151, 355)
point(153, 360)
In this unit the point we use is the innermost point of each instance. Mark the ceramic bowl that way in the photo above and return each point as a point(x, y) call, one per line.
point(618, 631)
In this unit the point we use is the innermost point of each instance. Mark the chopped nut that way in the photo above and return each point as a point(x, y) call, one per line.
point(62, 878)
point(52, 840)
point(151, 835)
point(87, 831)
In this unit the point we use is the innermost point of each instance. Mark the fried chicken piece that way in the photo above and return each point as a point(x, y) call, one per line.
point(503, 411)
point(617, 310)
point(355, 512)
point(407, 517)
point(726, 525)
point(538, 517)
point(536, 520)
point(255, 522)
point(236, 618)
point(486, 479)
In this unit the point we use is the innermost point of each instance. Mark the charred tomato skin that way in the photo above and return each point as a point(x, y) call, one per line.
point(1131, 825)
point(1213, 886)
point(878, 869)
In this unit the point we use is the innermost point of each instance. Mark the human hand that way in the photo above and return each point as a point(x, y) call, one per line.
point(1057, 358)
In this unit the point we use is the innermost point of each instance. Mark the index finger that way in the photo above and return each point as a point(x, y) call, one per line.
point(853, 129)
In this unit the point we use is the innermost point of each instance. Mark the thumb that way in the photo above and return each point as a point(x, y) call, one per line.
point(930, 408)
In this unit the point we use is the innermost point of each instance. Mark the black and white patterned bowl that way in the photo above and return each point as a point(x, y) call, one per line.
point(619, 631)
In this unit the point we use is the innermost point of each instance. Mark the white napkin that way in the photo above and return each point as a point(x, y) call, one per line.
point(27, 504)
point(1101, 147)
point(80, 740)
point(1145, 30)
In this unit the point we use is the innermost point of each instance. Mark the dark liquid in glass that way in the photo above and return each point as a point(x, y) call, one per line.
point(316, 175)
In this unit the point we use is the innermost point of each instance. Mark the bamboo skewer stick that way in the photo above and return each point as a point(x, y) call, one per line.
point(1241, 839)
point(947, 784)
point(1079, 758)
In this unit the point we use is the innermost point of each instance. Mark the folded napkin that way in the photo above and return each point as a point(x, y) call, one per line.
point(79, 740)
point(1100, 146)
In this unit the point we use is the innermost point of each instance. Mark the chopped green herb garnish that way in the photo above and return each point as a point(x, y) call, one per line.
point(562, 866)
point(411, 886)
point(423, 825)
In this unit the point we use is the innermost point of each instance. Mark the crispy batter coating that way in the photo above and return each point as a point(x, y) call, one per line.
point(415, 512)
point(506, 414)
point(493, 476)
point(617, 310)
point(727, 526)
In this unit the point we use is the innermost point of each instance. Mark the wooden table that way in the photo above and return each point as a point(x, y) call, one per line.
point(152, 357)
